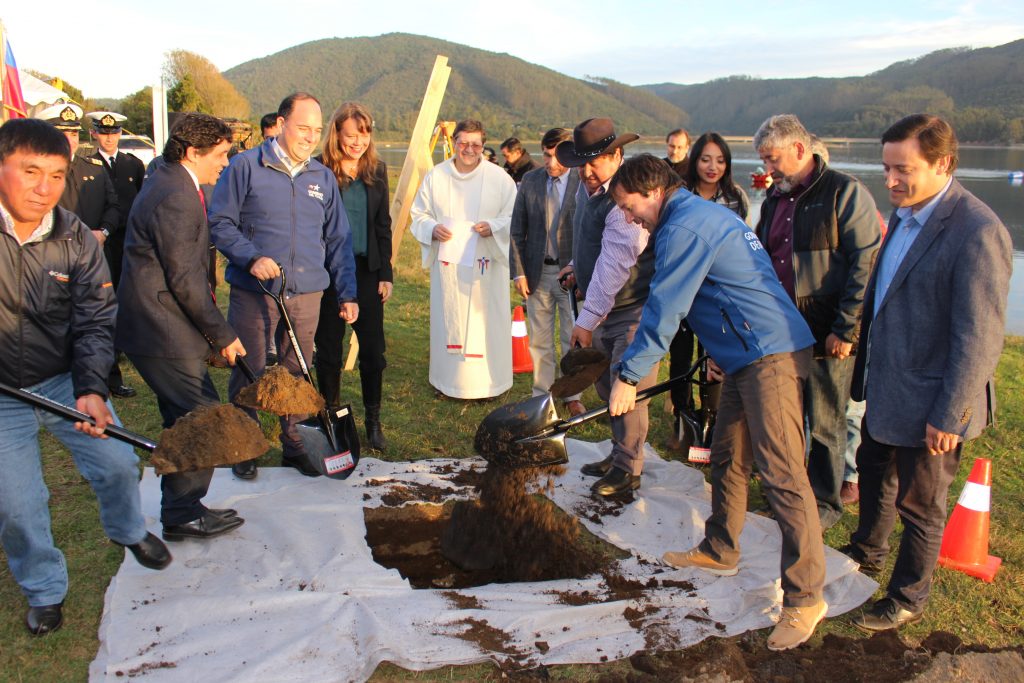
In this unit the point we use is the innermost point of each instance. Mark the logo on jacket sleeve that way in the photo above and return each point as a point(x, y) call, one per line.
point(63, 278)
point(315, 193)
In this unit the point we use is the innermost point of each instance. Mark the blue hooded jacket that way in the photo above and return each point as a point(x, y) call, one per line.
point(711, 269)
point(258, 209)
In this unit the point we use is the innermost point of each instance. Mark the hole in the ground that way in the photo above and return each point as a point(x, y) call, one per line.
point(409, 539)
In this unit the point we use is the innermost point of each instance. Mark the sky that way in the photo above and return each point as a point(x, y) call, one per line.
point(118, 49)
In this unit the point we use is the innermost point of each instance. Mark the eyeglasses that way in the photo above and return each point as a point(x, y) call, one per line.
point(472, 146)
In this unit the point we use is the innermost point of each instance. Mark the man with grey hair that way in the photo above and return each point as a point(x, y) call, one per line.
point(820, 228)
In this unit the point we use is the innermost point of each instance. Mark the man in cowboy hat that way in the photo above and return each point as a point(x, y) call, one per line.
point(612, 267)
point(90, 195)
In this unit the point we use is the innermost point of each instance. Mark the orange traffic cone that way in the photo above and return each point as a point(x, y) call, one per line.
point(965, 541)
point(521, 360)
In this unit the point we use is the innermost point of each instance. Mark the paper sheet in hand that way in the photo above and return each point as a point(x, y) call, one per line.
point(461, 248)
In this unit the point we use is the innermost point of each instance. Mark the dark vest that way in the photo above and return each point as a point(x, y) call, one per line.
point(588, 229)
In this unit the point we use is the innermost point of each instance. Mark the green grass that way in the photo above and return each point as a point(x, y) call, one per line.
point(419, 424)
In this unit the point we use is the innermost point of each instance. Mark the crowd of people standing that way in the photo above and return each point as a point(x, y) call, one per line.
point(657, 254)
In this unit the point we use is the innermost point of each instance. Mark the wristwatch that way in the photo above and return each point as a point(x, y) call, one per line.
point(106, 233)
point(627, 380)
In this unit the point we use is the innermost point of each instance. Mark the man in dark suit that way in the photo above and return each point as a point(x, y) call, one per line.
point(90, 195)
point(167, 319)
point(541, 244)
point(934, 315)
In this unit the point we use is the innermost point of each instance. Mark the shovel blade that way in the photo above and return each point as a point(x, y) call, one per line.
point(521, 435)
point(332, 462)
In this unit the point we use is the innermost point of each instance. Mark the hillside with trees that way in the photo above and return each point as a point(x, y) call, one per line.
point(389, 74)
point(981, 91)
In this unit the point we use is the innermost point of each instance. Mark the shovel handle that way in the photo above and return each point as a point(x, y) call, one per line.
point(643, 395)
point(119, 433)
point(246, 369)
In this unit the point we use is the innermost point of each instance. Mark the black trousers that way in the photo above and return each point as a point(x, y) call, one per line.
point(909, 482)
point(369, 328)
point(680, 358)
point(180, 385)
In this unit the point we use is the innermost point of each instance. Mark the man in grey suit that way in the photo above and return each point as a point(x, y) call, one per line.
point(542, 244)
point(934, 315)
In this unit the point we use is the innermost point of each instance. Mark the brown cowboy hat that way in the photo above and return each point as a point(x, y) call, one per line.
point(590, 139)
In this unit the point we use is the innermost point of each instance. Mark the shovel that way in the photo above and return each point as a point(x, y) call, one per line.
point(329, 440)
point(529, 433)
point(581, 366)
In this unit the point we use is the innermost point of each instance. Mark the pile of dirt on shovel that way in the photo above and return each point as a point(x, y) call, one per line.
point(516, 534)
point(281, 393)
point(207, 437)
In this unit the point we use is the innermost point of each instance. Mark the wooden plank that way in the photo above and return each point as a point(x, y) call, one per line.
point(417, 159)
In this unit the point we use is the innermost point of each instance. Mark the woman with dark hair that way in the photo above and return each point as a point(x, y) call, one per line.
point(363, 180)
point(710, 174)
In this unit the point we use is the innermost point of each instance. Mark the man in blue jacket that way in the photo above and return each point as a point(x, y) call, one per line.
point(276, 207)
point(710, 269)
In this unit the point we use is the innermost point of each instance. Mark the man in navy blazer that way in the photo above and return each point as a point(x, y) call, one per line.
point(541, 233)
point(932, 332)
point(167, 319)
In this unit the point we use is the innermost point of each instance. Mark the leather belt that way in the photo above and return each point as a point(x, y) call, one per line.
point(550, 261)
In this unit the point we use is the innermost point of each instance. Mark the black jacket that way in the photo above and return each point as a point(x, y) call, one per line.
point(57, 308)
point(378, 215)
point(127, 177)
point(166, 307)
point(521, 166)
point(835, 238)
point(90, 195)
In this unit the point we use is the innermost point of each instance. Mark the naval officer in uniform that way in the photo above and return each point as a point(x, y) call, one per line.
point(90, 195)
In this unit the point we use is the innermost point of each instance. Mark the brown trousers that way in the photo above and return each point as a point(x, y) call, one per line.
point(760, 420)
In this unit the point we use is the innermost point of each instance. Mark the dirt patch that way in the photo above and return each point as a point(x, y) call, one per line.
point(511, 530)
point(207, 437)
point(409, 539)
point(487, 638)
point(580, 369)
point(281, 393)
point(461, 601)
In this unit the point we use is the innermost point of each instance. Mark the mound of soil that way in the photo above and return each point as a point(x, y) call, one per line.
point(408, 539)
point(207, 437)
point(281, 393)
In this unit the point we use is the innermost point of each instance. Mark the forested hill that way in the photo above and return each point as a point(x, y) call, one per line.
point(389, 74)
point(981, 90)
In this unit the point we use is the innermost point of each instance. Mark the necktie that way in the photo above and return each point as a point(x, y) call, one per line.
point(113, 166)
point(552, 210)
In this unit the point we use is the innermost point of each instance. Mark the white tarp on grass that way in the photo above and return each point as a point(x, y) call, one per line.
point(295, 595)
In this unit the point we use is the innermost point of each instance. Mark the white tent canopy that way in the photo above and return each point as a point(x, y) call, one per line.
point(39, 94)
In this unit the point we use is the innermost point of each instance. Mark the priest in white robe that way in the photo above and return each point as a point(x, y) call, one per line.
point(461, 218)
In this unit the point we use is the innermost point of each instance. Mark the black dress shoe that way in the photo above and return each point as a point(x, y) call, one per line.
point(867, 567)
point(299, 463)
point(206, 526)
point(223, 514)
point(45, 619)
point(597, 469)
point(615, 482)
point(245, 469)
point(150, 552)
point(885, 615)
point(123, 391)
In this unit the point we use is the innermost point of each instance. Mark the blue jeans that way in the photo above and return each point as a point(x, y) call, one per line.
point(110, 466)
point(854, 416)
point(825, 400)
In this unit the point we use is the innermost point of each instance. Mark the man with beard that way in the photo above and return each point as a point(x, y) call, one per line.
point(820, 228)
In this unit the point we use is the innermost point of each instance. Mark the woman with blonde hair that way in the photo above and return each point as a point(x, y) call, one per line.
point(363, 180)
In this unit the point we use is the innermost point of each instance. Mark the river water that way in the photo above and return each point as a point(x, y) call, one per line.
point(984, 171)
